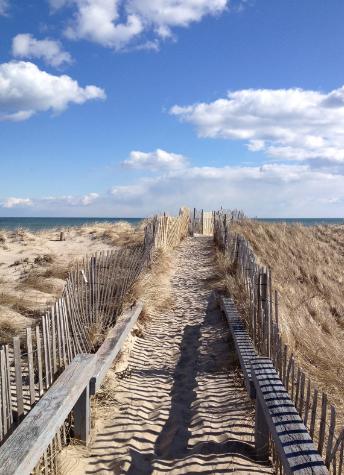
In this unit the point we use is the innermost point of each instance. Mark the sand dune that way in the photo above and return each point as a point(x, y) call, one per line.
point(33, 267)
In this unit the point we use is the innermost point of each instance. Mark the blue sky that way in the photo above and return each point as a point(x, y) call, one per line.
point(116, 108)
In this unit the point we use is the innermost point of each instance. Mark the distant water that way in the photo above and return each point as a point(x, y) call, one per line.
point(304, 221)
point(37, 224)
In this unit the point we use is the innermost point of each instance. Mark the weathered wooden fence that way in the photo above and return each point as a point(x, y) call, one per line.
point(94, 295)
point(263, 325)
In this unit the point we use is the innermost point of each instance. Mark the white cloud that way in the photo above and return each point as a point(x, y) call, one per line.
point(291, 190)
point(292, 124)
point(4, 4)
point(164, 14)
point(116, 23)
point(68, 200)
point(13, 202)
point(52, 201)
point(26, 46)
point(154, 161)
point(267, 190)
point(25, 90)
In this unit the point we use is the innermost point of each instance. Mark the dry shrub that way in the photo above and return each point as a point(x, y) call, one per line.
point(3, 237)
point(307, 268)
point(49, 285)
point(12, 323)
point(23, 235)
point(116, 234)
point(154, 286)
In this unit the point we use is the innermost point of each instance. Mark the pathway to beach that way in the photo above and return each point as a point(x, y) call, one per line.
point(180, 407)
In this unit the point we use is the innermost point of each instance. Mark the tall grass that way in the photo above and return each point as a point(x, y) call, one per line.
point(307, 266)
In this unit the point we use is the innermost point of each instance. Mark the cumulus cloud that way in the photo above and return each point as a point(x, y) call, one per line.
point(116, 23)
point(291, 124)
point(25, 90)
point(51, 201)
point(267, 190)
point(275, 189)
point(14, 202)
point(165, 14)
point(25, 45)
point(154, 161)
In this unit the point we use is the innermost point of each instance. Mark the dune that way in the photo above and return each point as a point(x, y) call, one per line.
point(34, 266)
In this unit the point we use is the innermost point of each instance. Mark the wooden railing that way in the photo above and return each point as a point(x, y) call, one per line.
point(263, 325)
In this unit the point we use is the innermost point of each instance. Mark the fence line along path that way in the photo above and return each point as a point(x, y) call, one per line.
point(180, 407)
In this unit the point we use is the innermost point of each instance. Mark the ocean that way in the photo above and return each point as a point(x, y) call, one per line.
point(37, 224)
point(304, 221)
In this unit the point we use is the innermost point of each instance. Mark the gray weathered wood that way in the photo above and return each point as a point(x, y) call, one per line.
point(30, 366)
point(39, 361)
point(261, 434)
point(113, 344)
point(294, 445)
point(322, 427)
point(243, 343)
point(18, 376)
point(82, 417)
point(24, 448)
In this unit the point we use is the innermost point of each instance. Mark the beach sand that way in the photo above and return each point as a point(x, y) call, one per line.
point(34, 266)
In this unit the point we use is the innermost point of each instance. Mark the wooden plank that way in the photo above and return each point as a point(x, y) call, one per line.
point(243, 343)
point(18, 377)
point(322, 427)
point(261, 434)
point(82, 417)
point(39, 361)
point(293, 443)
point(8, 385)
point(302, 394)
point(3, 408)
point(53, 339)
point(113, 344)
point(330, 437)
point(308, 399)
point(314, 412)
point(45, 350)
point(21, 452)
point(30, 366)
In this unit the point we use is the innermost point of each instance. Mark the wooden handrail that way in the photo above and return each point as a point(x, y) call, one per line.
point(277, 415)
point(113, 344)
point(24, 448)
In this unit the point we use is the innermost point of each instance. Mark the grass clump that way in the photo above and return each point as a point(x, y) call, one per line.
point(307, 270)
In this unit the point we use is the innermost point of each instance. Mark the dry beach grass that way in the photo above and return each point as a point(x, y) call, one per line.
point(307, 267)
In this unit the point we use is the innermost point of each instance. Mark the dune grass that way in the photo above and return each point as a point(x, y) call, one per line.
point(307, 267)
point(37, 264)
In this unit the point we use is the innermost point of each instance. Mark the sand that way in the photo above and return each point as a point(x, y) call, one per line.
point(33, 268)
point(179, 406)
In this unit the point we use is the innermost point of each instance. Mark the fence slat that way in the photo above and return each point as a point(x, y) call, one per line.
point(18, 377)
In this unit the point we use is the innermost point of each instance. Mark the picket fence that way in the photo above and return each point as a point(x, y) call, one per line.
point(263, 325)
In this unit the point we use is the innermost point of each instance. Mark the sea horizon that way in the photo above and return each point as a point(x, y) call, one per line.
point(40, 223)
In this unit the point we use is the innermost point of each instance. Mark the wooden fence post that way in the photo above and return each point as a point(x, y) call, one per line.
point(261, 434)
point(82, 417)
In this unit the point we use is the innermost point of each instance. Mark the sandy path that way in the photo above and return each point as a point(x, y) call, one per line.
point(180, 408)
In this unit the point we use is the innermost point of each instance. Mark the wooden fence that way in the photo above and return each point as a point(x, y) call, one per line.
point(263, 325)
point(202, 222)
point(94, 295)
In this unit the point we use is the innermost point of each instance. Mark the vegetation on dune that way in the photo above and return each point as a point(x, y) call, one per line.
point(36, 266)
point(307, 269)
